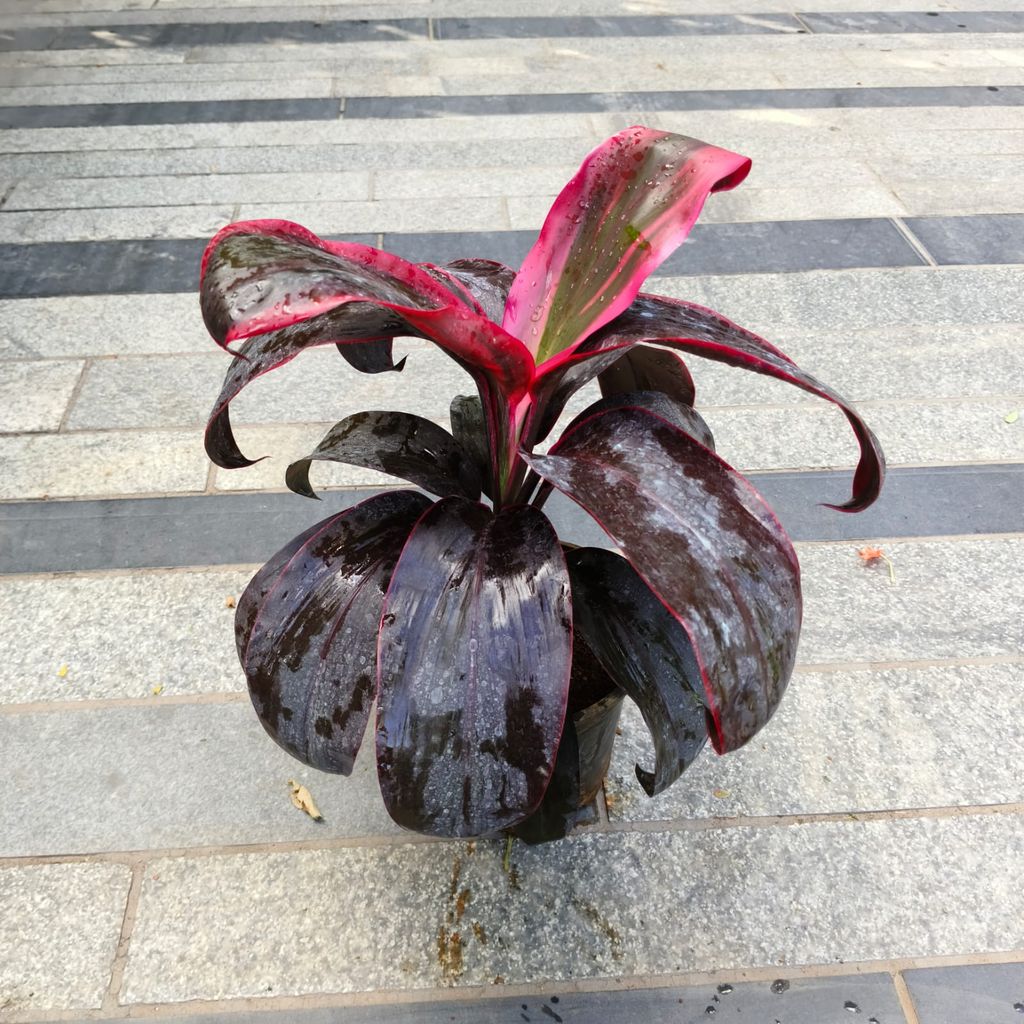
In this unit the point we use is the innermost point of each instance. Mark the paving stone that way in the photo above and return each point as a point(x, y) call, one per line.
point(74, 465)
point(185, 190)
point(837, 300)
point(160, 222)
point(171, 112)
point(89, 325)
point(119, 636)
point(34, 395)
point(745, 99)
point(61, 927)
point(558, 27)
point(319, 387)
point(240, 528)
point(883, 363)
point(854, 613)
point(598, 905)
point(996, 238)
point(93, 92)
point(808, 1001)
point(917, 21)
point(848, 741)
point(107, 784)
point(819, 437)
point(975, 994)
point(405, 215)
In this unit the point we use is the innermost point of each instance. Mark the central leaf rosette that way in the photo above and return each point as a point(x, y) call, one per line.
point(473, 628)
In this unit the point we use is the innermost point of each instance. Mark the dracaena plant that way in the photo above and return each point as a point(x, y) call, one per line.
point(495, 653)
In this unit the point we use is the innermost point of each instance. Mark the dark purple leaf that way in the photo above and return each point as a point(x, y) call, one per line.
point(467, 419)
point(648, 369)
point(648, 654)
point(284, 289)
point(707, 545)
point(397, 443)
point(585, 750)
point(475, 651)
point(693, 328)
point(680, 415)
point(370, 356)
point(486, 282)
point(306, 628)
point(631, 204)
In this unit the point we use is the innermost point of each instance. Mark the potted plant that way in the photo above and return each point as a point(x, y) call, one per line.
point(496, 653)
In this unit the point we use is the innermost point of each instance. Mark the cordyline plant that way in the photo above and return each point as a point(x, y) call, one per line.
point(496, 654)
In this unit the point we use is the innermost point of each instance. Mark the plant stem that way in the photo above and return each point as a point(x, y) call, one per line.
point(506, 860)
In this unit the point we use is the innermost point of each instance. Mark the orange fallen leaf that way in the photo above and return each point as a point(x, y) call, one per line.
point(872, 556)
point(229, 602)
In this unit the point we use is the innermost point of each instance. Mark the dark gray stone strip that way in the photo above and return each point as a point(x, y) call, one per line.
point(915, 21)
point(221, 33)
point(978, 994)
point(133, 266)
point(226, 529)
point(707, 99)
point(94, 115)
point(44, 269)
point(985, 238)
point(613, 26)
point(797, 1001)
point(186, 34)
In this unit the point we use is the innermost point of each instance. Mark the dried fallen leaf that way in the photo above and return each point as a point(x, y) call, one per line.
point(157, 690)
point(303, 800)
point(229, 602)
point(872, 556)
point(62, 671)
point(721, 794)
point(1011, 417)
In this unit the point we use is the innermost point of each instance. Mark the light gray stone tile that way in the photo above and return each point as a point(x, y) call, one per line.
point(102, 325)
point(186, 190)
point(951, 599)
point(318, 387)
point(447, 214)
point(107, 785)
point(943, 197)
point(34, 395)
point(163, 92)
point(115, 222)
point(598, 905)
point(818, 436)
point(61, 927)
point(883, 363)
point(94, 464)
point(848, 742)
point(831, 300)
point(119, 636)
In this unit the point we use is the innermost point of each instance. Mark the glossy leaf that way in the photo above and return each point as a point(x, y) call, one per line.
point(691, 328)
point(474, 658)
point(485, 282)
point(306, 628)
point(679, 414)
point(705, 542)
point(630, 205)
point(649, 369)
point(642, 646)
point(283, 288)
point(370, 356)
point(467, 419)
point(397, 443)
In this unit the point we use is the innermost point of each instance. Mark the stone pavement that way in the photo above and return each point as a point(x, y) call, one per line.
point(865, 855)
